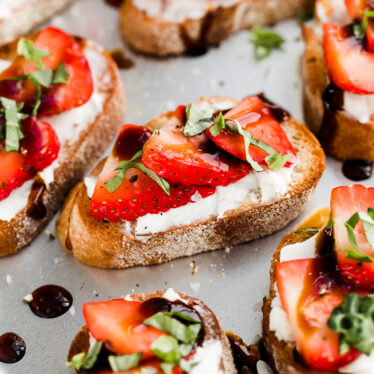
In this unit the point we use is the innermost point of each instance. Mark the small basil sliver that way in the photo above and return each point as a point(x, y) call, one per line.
point(330, 223)
point(125, 362)
point(167, 368)
point(198, 120)
point(92, 355)
point(166, 348)
point(265, 41)
point(354, 323)
point(76, 361)
point(310, 229)
point(172, 326)
point(185, 349)
point(61, 75)
point(218, 126)
point(42, 77)
point(26, 48)
point(182, 316)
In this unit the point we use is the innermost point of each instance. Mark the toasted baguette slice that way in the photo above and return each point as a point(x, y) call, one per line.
point(19, 19)
point(107, 245)
point(80, 148)
point(281, 353)
point(349, 139)
point(178, 26)
point(211, 326)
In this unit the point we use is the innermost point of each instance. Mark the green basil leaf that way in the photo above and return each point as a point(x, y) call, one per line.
point(247, 137)
point(13, 130)
point(198, 120)
point(172, 326)
point(365, 19)
point(166, 348)
point(311, 229)
point(92, 355)
point(353, 320)
point(265, 41)
point(86, 361)
point(116, 181)
point(125, 362)
point(185, 349)
point(218, 126)
point(27, 49)
point(330, 224)
point(76, 361)
point(276, 161)
point(187, 366)
point(42, 77)
point(148, 371)
point(182, 316)
point(368, 226)
point(61, 75)
point(167, 368)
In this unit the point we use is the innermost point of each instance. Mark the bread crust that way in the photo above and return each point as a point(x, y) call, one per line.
point(27, 16)
point(212, 328)
point(349, 139)
point(79, 157)
point(156, 36)
point(106, 245)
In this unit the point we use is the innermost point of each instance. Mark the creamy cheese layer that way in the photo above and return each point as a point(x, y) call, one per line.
point(278, 321)
point(68, 125)
point(180, 10)
point(360, 107)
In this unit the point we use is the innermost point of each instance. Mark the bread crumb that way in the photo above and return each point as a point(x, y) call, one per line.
point(193, 267)
point(72, 311)
point(223, 274)
point(227, 250)
point(195, 286)
point(8, 279)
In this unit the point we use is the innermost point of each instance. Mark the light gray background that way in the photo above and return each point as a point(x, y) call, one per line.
point(154, 86)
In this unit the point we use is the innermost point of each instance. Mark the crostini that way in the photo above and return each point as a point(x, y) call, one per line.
point(18, 17)
point(189, 26)
point(163, 332)
point(209, 175)
point(338, 78)
point(318, 316)
point(61, 103)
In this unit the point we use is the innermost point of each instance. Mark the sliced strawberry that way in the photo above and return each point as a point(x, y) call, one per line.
point(255, 117)
point(138, 194)
point(190, 160)
point(119, 324)
point(346, 201)
point(370, 37)
point(349, 65)
point(308, 295)
point(356, 8)
point(63, 48)
point(38, 149)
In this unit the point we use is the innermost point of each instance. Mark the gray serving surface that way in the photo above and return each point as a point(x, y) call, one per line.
point(231, 281)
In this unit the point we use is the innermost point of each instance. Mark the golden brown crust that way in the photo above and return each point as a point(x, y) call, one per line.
point(212, 329)
point(27, 16)
point(106, 245)
point(349, 138)
point(158, 37)
point(78, 158)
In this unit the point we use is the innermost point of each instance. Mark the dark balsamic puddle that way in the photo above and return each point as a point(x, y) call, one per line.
point(50, 301)
point(357, 170)
point(12, 348)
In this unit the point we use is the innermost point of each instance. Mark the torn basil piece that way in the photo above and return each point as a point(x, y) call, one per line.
point(198, 120)
point(125, 362)
point(166, 348)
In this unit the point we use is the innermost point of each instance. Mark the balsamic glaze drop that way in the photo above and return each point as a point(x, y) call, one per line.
point(12, 348)
point(51, 301)
point(357, 170)
point(116, 3)
point(121, 60)
point(36, 208)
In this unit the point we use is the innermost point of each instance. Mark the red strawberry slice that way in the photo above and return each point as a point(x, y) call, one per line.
point(370, 37)
point(38, 149)
point(119, 323)
point(255, 117)
point(138, 194)
point(349, 65)
point(356, 8)
point(346, 201)
point(190, 160)
point(308, 296)
point(59, 97)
